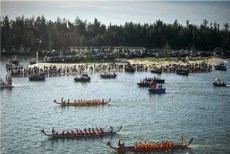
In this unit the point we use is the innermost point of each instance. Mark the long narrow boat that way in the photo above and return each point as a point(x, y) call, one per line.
point(138, 149)
point(87, 103)
point(55, 135)
point(5, 85)
point(219, 85)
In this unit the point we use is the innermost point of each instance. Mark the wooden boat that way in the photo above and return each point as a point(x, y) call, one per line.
point(108, 76)
point(146, 149)
point(83, 135)
point(86, 103)
point(83, 78)
point(37, 78)
point(183, 72)
point(220, 67)
point(157, 71)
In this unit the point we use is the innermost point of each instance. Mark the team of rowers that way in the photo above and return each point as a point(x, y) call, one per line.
point(152, 145)
point(83, 102)
point(89, 131)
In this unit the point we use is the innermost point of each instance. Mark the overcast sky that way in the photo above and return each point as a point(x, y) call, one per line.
point(119, 12)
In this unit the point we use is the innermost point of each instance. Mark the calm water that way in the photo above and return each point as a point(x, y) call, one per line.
point(29, 107)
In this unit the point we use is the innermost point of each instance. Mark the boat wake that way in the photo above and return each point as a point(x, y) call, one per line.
point(173, 91)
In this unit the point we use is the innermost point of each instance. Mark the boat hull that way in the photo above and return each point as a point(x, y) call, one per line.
point(37, 78)
point(157, 91)
point(81, 80)
point(220, 67)
point(108, 76)
point(219, 85)
point(6, 86)
point(80, 135)
point(156, 71)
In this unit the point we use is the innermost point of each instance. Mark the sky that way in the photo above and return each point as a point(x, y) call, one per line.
point(119, 12)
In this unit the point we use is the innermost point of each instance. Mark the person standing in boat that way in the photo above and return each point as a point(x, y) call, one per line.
point(53, 131)
point(111, 129)
point(182, 139)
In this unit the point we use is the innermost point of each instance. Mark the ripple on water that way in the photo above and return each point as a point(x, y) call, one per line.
point(191, 106)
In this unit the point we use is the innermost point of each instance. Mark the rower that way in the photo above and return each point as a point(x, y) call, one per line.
point(53, 131)
point(119, 143)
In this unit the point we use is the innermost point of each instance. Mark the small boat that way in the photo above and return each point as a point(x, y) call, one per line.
point(108, 76)
point(83, 78)
point(157, 71)
point(83, 103)
point(147, 81)
point(129, 68)
point(218, 83)
point(156, 89)
point(221, 67)
point(182, 72)
point(14, 61)
point(144, 84)
point(82, 134)
point(8, 83)
point(32, 62)
point(149, 148)
point(39, 77)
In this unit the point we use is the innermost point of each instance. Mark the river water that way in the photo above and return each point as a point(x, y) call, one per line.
point(191, 106)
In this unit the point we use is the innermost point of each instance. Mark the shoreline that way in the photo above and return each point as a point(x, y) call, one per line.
point(211, 61)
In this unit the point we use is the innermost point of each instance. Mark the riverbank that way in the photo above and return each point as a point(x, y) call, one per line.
point(164, 62)
point(139, 61)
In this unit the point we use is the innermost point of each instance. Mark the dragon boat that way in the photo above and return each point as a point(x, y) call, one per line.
point(108, 76)
point(149, 148)
point(83, 78)
point(83, 103)
point(81, 134)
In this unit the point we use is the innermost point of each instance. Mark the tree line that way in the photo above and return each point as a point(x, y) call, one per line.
point(40, 33)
